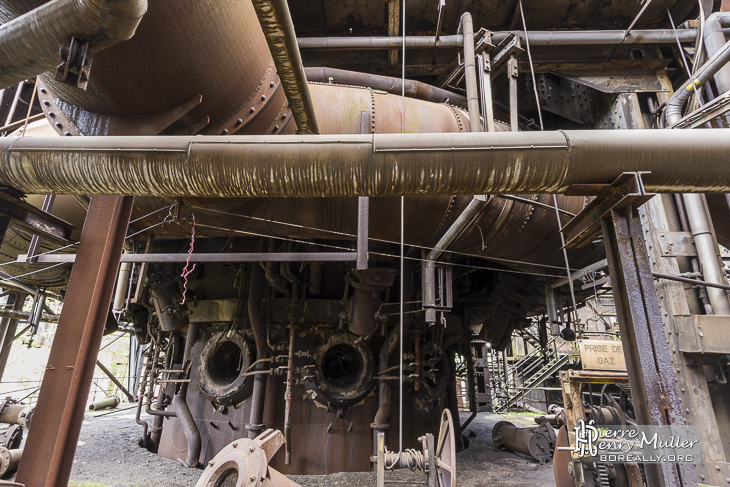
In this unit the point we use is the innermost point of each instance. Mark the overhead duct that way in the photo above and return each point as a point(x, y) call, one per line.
point(29, 44)
point(365, 165)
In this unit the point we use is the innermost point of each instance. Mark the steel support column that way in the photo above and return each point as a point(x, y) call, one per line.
point(8, 325)
point(67, 380)
point(651, 375)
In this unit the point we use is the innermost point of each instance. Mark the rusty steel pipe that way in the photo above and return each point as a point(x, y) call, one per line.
point(365, 165)
point(278, 28)
point(116, 381)
point(29, 44)
point(413, 89)
point(180, 403)
point(255, 303)
point(536, 38)
point(287, 396)
point(24, 315)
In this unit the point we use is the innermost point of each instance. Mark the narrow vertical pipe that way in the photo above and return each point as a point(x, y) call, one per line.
point(287, 396)
point(470, 73)
point(255, 298)
point(707, 250)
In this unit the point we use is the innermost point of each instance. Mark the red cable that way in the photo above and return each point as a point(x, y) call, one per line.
point(185, 272)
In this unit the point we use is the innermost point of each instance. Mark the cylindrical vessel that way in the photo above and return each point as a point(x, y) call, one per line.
point(522, 440)
point(17, 414)
point(9, 460)
point(108, 403)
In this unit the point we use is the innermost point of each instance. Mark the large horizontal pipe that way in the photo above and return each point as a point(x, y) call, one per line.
point(365, 165)
point(29, 44)
point(536, 38)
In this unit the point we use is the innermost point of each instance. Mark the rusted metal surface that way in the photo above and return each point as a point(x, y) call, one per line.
point(35, 220)
point(277, 25)
point(221, 55)
point(67, 379)
point(446, 451)
point(350, 165)
point(653, 384)
point(29, 44)
point(351, 17)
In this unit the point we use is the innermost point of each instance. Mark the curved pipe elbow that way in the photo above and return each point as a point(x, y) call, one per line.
point(29, 44)
point(191, 430)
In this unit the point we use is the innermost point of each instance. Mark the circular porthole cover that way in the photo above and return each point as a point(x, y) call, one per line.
point(224, 363)
point(344, 369)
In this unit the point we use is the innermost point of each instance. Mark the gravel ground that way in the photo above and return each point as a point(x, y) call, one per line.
point(108, 456)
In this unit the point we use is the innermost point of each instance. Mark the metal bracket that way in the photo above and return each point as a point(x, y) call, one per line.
point(35, 220)
point(482, 43)
point(715, 108)
point(74, 63)
point(510, 46)
point(676, 244)
point(626, 190)
point(437, 278)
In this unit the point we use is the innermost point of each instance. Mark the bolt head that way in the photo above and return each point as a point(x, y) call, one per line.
point(211, 463)
point(252, 448)
point(252, 478)
point(235, 444)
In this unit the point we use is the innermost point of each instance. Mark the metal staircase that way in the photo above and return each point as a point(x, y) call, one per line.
point(510, 383)
point(554, 364)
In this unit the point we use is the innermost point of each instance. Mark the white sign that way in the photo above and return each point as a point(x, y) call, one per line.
point(602, 354)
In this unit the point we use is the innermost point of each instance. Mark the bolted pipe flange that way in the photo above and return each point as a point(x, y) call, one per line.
point(245, 463)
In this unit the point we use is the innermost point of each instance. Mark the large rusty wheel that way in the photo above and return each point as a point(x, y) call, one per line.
point(561, 460)
point(446, 452)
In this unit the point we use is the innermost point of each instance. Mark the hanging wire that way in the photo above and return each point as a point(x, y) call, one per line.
point(567, 264)
point(30, 107)
point(402, 240)
point(382, 254)
point(697, 61)
point(532, 67)
point(186, 272)
point(679, 44)
point(380, 240)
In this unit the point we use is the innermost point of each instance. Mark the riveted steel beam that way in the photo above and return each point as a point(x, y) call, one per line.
point(52, 442)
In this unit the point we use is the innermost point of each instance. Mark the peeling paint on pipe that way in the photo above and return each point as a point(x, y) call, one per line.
point(278, 28)
point(365, 165)
point(29, 44)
